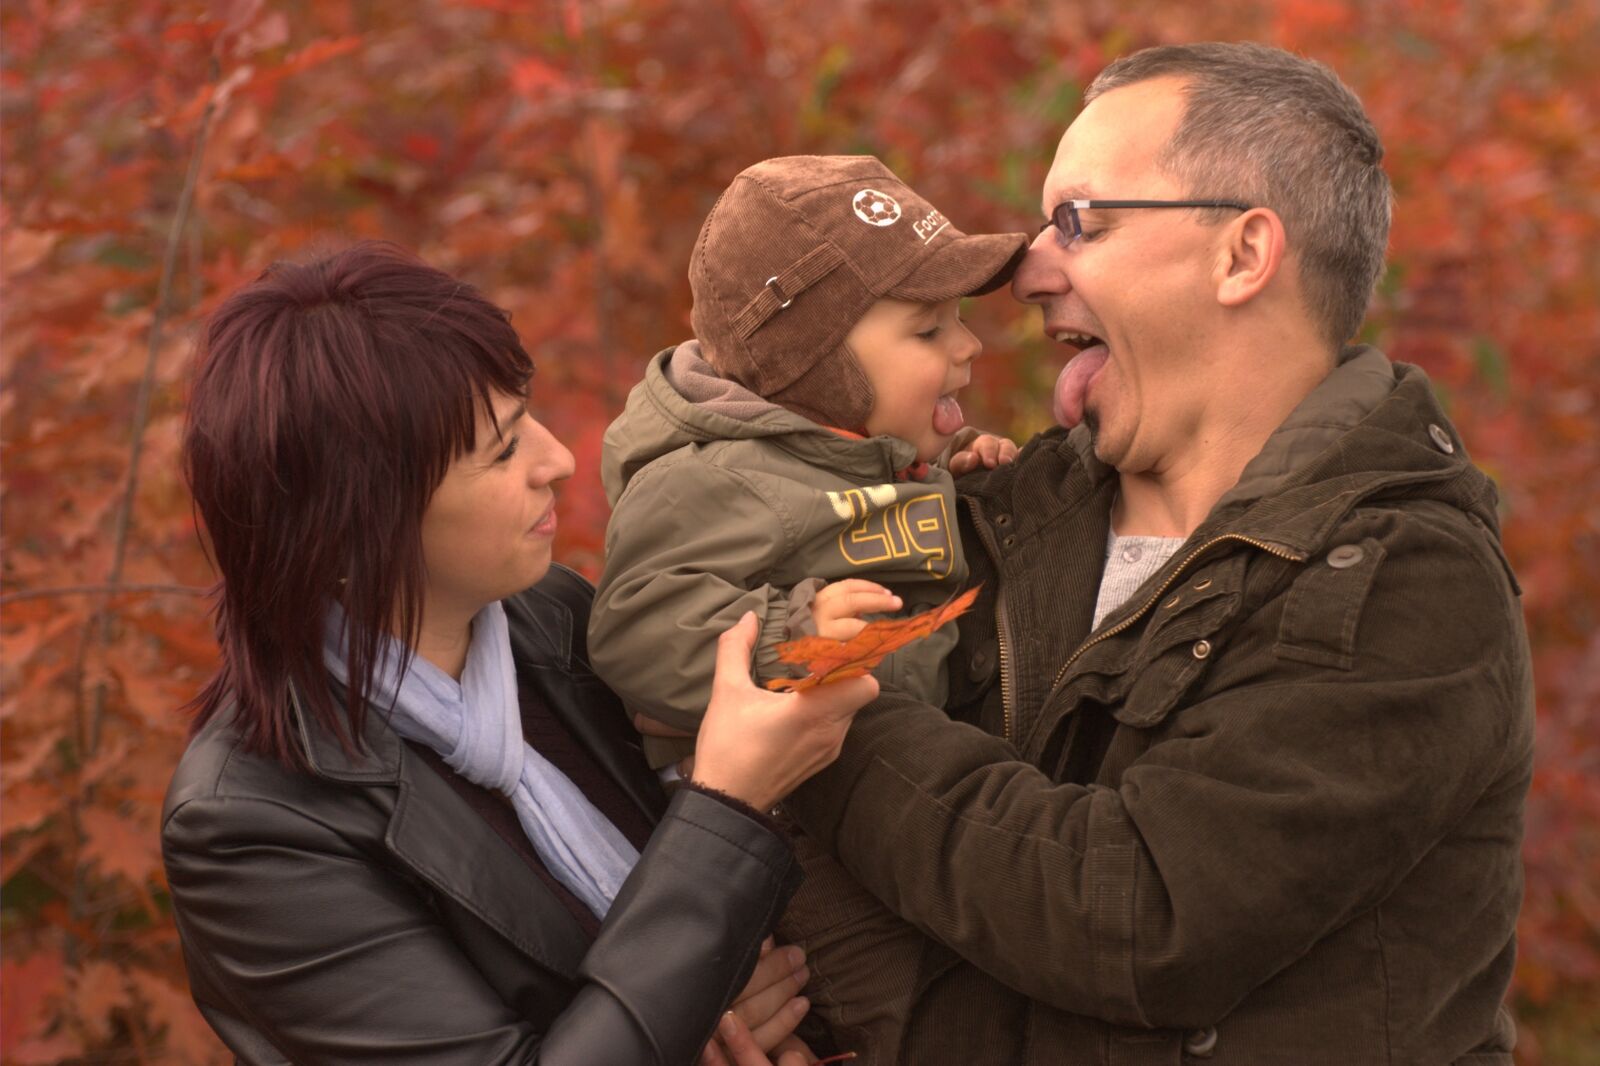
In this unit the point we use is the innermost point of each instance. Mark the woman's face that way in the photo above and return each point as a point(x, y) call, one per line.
point(488, 528)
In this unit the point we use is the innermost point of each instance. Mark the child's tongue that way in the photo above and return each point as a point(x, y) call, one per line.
point(947, 420)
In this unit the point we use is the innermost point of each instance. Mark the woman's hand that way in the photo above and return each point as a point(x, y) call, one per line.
point(769, 1008)
point(839, 605)
point(985, 450)
point(756, 745)
point(735, 1045)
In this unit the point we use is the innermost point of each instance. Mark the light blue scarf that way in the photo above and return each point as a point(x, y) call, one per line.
point(476, 727)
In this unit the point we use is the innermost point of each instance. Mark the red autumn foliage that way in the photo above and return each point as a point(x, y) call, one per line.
point(827, 661)
point(561, 154)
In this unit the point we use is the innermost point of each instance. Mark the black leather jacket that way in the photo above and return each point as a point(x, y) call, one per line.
point(362, 911)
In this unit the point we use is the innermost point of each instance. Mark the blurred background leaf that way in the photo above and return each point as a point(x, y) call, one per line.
point(561, 155)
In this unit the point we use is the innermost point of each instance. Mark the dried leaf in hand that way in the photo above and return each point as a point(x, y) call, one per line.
point(828, 660)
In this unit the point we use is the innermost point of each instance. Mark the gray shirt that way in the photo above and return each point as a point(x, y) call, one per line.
point(1130, 562)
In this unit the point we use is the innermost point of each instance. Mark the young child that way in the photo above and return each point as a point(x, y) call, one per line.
point(781, 462)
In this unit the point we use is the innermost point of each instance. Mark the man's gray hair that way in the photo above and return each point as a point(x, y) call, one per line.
point(1281, 131)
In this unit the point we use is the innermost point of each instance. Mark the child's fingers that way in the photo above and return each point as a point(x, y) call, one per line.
point(840, 628)
point(987, 449)
point(853, 597)
point(849, 585)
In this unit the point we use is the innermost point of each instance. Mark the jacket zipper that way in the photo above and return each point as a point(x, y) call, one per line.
point(1271, 549)
point(1001, 629)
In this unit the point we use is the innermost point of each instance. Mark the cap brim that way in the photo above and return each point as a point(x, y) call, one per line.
point(970, 265)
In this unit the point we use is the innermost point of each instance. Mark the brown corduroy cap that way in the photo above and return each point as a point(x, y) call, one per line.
point(794, 253)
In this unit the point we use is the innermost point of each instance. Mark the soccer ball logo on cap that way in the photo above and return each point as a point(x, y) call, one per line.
point(876, 207)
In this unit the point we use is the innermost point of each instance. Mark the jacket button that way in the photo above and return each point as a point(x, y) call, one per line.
point(1170, 604)
point(1203, 584)
point(1201, 1043)
point(1201, 649)
point(1345, 556)
point(1002, 520)
point(978, 665)
point(1009, 542)
point(1441, 439)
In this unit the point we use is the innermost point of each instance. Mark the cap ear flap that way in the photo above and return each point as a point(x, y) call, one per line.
point(833, 392)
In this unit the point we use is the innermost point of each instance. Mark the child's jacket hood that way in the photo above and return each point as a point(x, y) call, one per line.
point(683, 401)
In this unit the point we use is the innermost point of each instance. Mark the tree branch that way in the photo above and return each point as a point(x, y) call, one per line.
point(589, 60)
point(106, 590)
point(100, 624)
point(97, 633)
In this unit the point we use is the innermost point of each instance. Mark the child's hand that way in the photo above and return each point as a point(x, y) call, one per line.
point(839, 605)
point(985, 448)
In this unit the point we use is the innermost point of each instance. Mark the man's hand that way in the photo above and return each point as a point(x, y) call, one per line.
point(839, 605)
point(986, 450)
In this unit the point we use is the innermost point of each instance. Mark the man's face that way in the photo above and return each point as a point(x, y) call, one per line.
point(1139, 285)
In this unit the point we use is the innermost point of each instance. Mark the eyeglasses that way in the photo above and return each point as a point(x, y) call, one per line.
point(1069, 227)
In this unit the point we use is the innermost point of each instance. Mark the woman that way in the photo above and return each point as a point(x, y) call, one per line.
point(411, 824)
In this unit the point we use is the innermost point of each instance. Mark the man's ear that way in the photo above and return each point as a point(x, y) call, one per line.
point(1251, 258)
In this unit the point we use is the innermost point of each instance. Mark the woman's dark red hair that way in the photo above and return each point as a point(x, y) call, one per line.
point(329, 399)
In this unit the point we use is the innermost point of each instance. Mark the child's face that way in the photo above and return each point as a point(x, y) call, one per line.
point(916, 356)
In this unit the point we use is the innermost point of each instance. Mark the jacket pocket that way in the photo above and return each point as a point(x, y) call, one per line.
point(1173, 657)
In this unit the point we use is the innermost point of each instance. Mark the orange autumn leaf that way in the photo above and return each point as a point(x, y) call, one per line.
point(35, 987)
point(828, 660)
point(545, 157)
point(99, 991)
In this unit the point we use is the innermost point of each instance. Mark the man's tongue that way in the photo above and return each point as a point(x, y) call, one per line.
point(1073, 384)
point(947, 420)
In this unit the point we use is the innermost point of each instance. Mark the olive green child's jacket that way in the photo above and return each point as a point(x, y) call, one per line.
point(723, 503)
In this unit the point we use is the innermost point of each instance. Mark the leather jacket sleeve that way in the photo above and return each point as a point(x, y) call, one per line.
point(313, 950)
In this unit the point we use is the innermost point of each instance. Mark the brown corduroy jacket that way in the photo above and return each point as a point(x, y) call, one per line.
point(1269, 812)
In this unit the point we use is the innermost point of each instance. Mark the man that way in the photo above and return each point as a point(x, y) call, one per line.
point(1250, 684)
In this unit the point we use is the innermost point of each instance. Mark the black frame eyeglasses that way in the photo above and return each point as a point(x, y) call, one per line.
point(1069, 227)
